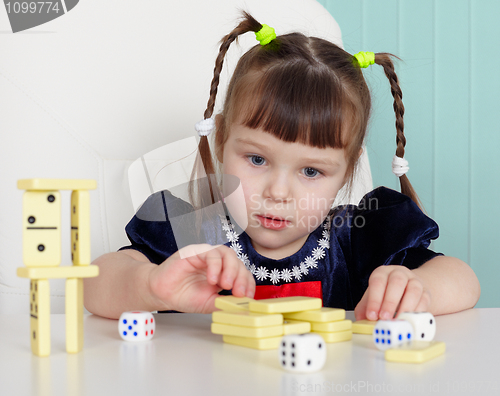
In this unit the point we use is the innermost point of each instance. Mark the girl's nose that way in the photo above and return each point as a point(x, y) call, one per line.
point(278, 187)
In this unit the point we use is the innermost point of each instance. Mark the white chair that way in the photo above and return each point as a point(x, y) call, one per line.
point(87, 94)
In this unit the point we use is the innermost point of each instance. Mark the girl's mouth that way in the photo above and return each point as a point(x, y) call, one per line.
point(272, 223)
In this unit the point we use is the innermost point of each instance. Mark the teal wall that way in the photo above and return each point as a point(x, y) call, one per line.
point(451, 91)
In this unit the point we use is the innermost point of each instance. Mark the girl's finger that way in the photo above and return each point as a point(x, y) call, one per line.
point(250, 283)
point(424, 303)
point(230, 268)
point(242, 286)
point(194, 252)
point(396, 286)
point(205, 257)
point(376, 291)
point(251, 286)
point(213, 260)
point(412, 296)
point(360, 310)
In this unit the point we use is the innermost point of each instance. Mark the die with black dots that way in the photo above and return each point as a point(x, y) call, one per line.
point(302, 352)
point(424, 324)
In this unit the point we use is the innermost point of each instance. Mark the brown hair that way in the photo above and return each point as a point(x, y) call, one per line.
point(299, 89)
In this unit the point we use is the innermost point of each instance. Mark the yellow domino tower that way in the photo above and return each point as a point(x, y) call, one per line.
point(42, 254)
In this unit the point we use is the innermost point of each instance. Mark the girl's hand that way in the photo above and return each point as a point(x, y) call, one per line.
point(190, 279)
point(391, 288)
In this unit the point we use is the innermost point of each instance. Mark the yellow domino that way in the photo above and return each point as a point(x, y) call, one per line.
point(74, 315)
point(338, 336)
point(88, 271)
point(339, 325)
point(42, 228)
point(40, 317)
point(296, 327)
point(247, 332)
point(285, 304)
point(231, 303)
point(363, 326)
point(255, 343)
point(415, 352)
point(56, 184)
point(247, 318)
point(80, 227)
point(324, 314)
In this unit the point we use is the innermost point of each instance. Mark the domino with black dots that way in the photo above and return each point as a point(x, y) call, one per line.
point(80, 227)
point(42, 228)
point(40, 317)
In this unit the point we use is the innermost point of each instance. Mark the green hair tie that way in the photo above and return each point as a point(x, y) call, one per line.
point(365, 59)
point(265, 35)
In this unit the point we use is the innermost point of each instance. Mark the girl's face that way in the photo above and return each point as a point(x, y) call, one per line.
point(289, 188)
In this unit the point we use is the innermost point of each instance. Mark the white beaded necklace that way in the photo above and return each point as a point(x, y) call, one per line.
point(286, 275)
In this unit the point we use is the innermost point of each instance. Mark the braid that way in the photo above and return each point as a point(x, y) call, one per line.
point(246, 25)
point(384, 60)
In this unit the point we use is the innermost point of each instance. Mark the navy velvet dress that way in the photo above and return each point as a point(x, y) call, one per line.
point(335, 262)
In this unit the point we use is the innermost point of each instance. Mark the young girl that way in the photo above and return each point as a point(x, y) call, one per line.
point(291, 130)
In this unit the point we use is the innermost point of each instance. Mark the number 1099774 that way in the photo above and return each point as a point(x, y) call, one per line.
point(33, 7)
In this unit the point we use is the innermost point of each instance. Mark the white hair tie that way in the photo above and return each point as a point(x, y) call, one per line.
point(205, 126)
point(399, 166)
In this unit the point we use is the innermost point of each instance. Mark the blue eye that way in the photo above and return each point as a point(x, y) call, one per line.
point(257, 160)
point(311, 172)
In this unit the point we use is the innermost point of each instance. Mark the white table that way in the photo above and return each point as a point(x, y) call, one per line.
point(185, 358)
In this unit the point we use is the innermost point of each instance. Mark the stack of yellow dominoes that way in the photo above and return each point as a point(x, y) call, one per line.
point(329, 323)
point(260, 324)
point(42, 256)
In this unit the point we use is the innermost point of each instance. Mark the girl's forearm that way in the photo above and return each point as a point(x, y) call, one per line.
point(122, 285)
point(453, 285)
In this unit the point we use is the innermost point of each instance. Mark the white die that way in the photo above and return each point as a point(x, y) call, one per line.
point(391, 333)
point(424, 324)
point(136, 326)
point(302, 352)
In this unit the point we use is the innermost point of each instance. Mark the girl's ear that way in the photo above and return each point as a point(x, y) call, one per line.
point(219, 137)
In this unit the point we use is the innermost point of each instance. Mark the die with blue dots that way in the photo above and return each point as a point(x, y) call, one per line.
point(136, 326)
point(392, 333)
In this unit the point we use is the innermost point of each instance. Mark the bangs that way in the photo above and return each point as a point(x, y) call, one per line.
point(296, 103)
